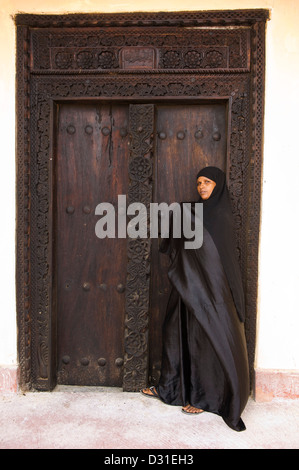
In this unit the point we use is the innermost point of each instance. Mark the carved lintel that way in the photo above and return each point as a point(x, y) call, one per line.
point(156, 49)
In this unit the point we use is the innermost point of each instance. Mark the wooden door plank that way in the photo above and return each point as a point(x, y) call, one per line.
point(91, 168)
point(188, 138)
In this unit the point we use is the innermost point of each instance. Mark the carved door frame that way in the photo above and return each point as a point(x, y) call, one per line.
point(191, 56)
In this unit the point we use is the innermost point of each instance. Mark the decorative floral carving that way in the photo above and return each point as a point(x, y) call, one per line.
point(138, 271)
point(140, 169)
point(193, 59)
point(138, 321)
point(214, 59)
point(107, 60)
point(171, 59)
point(138, 249)
point(134, 376)
point(84, 59)
point(137, 288)
point(196, 49)
point(63, 60)
point(139, 192)
point(135, 343)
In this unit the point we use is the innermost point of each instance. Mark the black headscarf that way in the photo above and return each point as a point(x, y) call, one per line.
point(218, 221)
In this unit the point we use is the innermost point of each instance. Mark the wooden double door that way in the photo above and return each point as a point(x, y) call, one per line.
point(93, 144)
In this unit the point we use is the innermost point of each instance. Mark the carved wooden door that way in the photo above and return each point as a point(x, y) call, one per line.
point(94, 155)
point(161, 62)
point(188, 138)
point(91, 167)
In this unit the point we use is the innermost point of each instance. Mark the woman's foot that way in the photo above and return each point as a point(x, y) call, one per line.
point(191, 410)
point(150, 392)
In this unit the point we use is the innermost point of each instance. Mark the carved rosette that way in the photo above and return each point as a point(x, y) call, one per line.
point(138, 268)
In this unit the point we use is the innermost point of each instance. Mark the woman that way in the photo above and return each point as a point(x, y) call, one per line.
point(204, 360)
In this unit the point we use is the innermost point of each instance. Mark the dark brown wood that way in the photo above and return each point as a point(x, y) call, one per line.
point(158, 48)
point(91, 168)
point(164, 59)
point(141, 130)
point(193, 136)
point(188, 138)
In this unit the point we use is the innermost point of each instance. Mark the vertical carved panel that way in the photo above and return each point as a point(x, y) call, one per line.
point(138, 277)
point(194, 56)
point(23, 205)
point(41, 246)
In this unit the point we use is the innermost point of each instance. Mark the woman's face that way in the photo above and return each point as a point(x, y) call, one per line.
point(205, 187)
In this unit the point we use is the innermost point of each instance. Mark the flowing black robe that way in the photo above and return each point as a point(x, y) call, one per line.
point(204, 359)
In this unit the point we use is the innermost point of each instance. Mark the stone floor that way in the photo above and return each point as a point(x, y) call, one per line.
point(107, 418)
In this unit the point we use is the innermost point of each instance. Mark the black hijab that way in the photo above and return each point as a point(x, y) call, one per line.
point(218, 221)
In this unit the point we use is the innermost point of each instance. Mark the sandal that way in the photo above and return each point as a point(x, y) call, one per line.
point(197, 412)
point(153, 393)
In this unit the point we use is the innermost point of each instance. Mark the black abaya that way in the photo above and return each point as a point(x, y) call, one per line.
point(204, 360)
